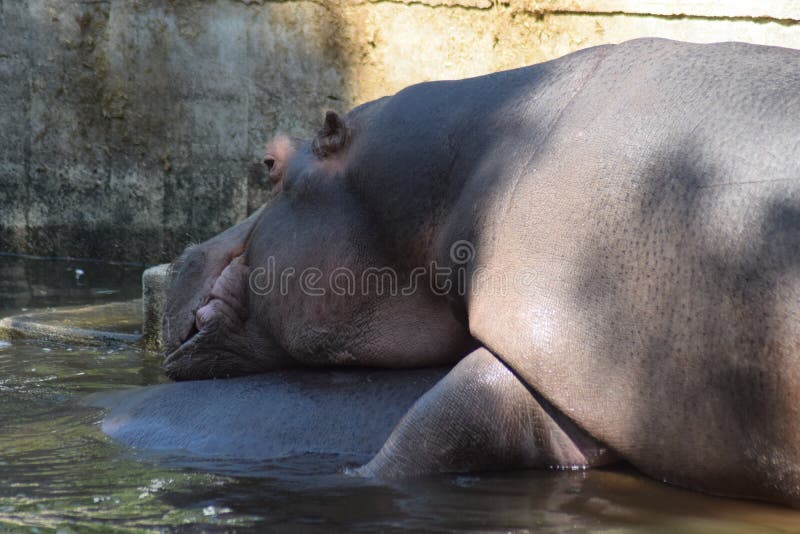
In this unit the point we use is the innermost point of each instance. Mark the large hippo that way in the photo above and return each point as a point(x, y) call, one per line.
point(608, 244)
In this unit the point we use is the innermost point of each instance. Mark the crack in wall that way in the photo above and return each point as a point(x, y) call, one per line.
point(485, 5)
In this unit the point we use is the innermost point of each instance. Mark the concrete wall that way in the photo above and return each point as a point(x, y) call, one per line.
point(129, 128)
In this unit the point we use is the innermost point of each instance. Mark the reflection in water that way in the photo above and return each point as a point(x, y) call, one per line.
point(57, 469)
point(37, 283)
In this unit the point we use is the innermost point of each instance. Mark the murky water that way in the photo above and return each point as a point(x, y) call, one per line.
point(57, 471)
point(28, 283)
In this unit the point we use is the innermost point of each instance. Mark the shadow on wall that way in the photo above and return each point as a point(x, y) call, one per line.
point(129, 129)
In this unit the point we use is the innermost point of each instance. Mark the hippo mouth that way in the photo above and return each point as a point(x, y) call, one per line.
point(207, 318)
point(190, 346)
point(209, 351)
point(187, 343)
point(213, 337)
point(220, 311)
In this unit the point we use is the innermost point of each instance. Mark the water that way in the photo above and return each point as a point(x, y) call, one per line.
point(59, 472)
point(37, 283)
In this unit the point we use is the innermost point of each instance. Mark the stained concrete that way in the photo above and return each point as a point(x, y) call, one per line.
point(154, 294)
point(129, 128)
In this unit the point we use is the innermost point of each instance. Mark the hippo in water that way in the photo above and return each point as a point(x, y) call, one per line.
point(607, 247)
point(344, 413)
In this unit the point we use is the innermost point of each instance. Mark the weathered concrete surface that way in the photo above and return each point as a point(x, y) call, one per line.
point(154, 294)
point(116, 322)
point(129, 128)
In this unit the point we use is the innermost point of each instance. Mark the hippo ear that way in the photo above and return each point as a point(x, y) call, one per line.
point(332, 137)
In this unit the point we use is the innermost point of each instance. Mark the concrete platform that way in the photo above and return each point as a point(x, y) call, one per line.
point(154, 292)
point(116, 322)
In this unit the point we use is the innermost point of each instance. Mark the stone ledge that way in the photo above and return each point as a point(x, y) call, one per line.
point(154, 292)
point(116, 322)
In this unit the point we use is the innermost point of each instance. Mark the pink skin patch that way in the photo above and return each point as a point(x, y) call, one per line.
point(228, 298)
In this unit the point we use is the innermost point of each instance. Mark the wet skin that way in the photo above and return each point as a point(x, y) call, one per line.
point(632, 276)
point(300, 411)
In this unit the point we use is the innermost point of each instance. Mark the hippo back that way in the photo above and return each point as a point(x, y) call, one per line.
point(267, 416)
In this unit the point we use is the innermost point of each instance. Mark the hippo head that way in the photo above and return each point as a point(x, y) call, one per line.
point(312, 278)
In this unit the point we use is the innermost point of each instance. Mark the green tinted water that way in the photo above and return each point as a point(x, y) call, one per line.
point(58, 472)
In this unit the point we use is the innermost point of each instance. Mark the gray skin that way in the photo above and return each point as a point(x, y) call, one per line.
point(634, 212)
point(299, 411)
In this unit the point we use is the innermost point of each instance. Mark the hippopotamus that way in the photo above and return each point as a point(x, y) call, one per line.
point(347, 414)
point(606, 247)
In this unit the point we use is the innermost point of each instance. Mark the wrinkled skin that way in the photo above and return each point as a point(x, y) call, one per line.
point(634, 281)
point(323, 225)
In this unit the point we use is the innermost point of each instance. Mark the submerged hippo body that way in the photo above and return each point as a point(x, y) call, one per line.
point(619, 232)
point(348, 413)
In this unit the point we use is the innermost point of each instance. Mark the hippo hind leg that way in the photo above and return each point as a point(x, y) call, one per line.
point(481, 417)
